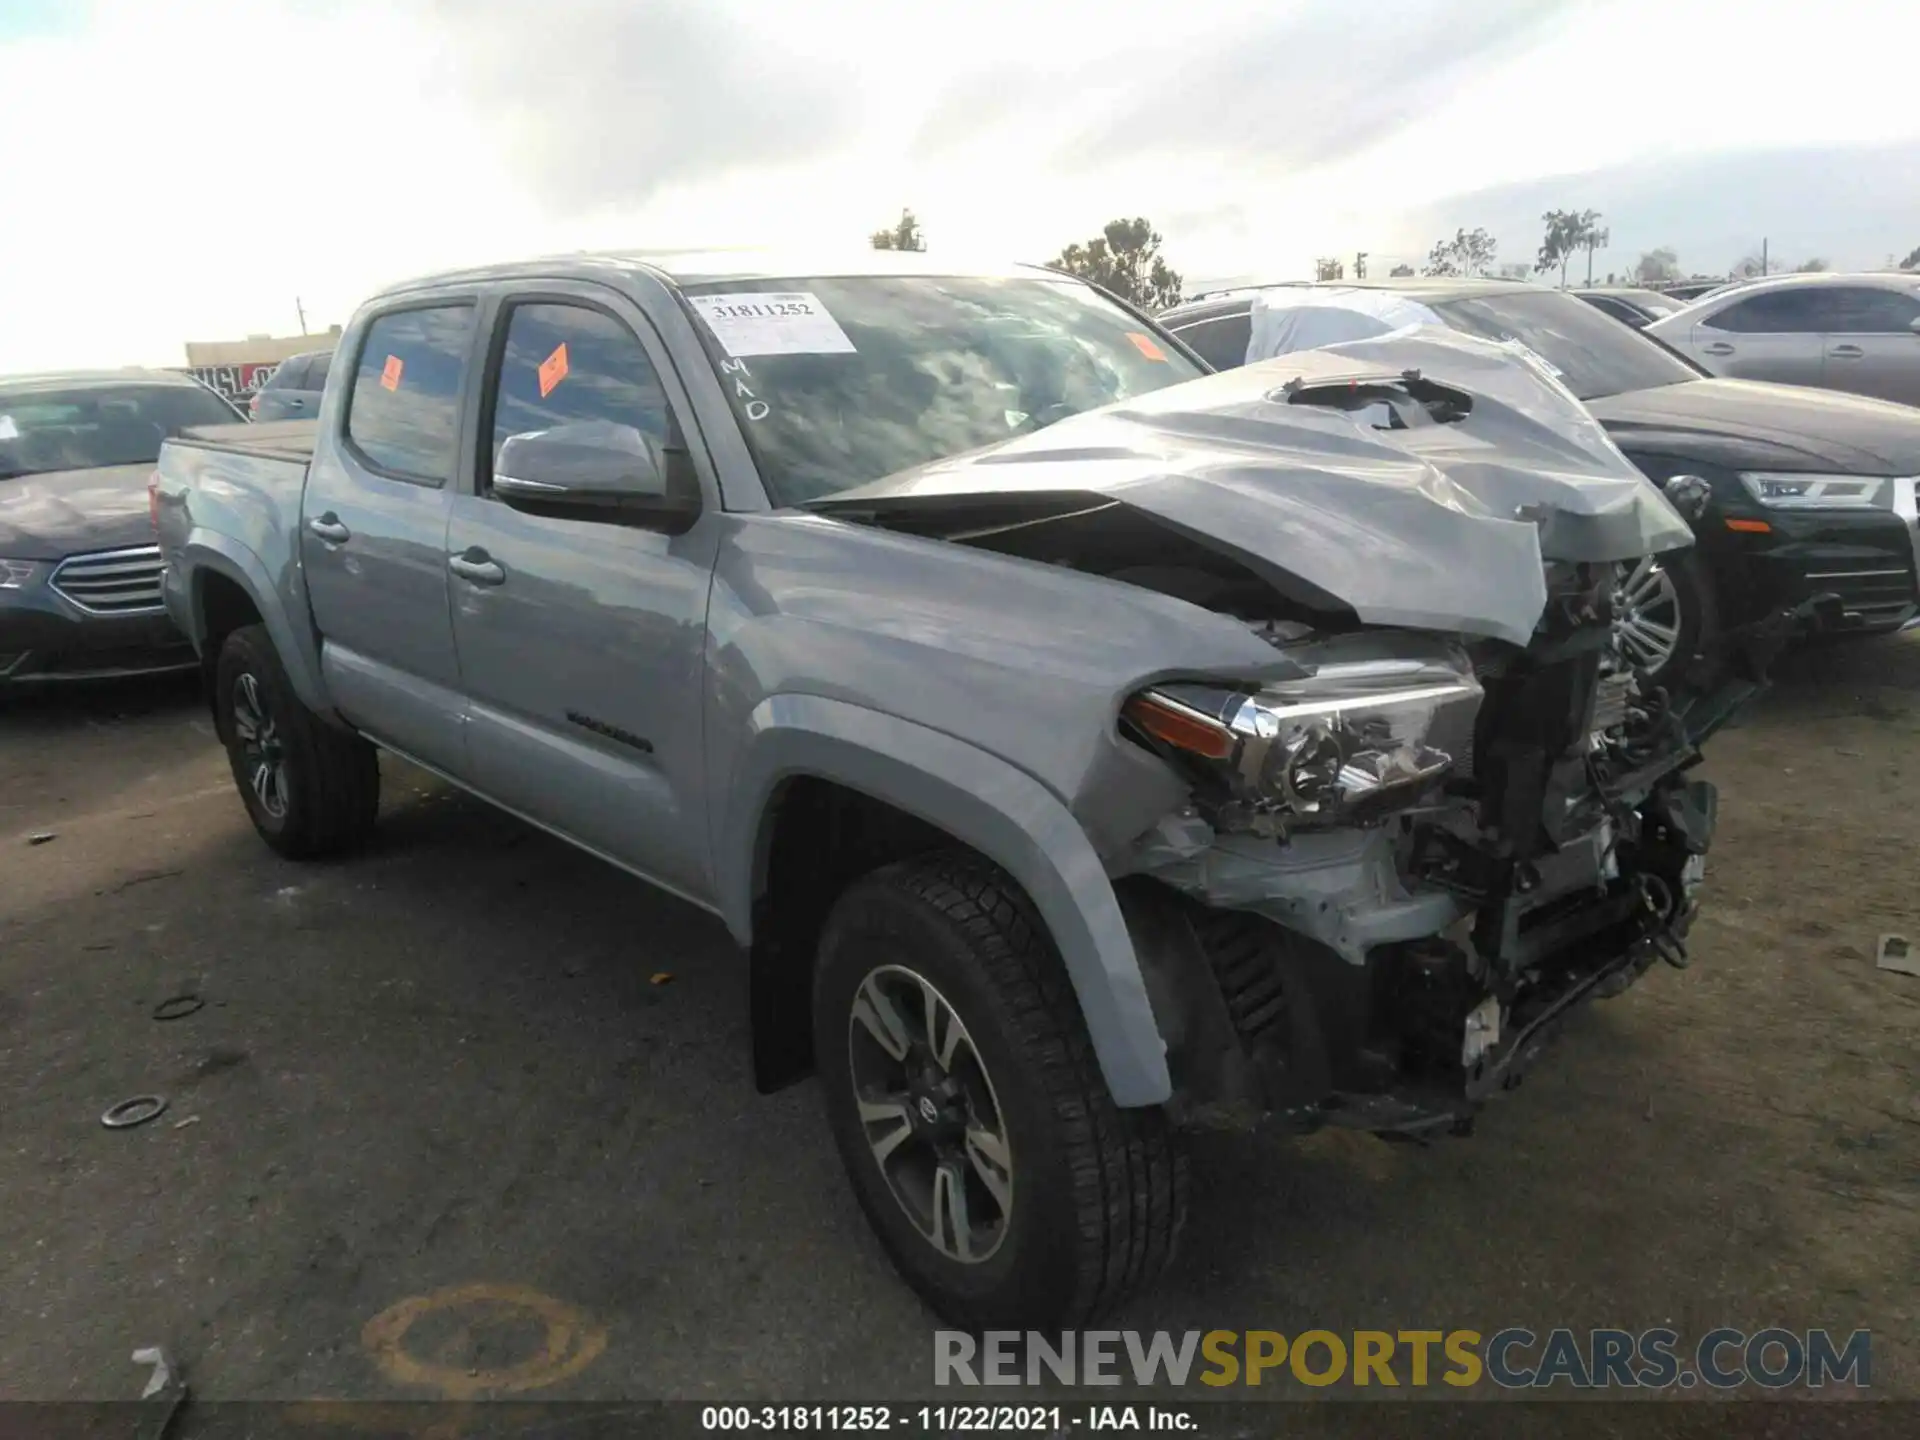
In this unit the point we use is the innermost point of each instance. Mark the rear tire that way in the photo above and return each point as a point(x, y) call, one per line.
point(310, 789)
point(1090, 1203)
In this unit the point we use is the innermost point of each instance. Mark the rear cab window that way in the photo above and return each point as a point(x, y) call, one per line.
point(403, 415)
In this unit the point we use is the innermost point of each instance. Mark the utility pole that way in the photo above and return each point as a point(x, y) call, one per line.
point(1360, 265)
point(303, 314)
point(1766, 268)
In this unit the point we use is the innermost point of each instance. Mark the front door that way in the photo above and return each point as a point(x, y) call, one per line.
point(1872, 348)
point(374, 534)
point(582, 641)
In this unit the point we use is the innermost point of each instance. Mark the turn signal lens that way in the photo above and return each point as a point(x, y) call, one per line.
point(1180, 727)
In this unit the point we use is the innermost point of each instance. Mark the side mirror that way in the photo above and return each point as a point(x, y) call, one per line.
point(601, 471)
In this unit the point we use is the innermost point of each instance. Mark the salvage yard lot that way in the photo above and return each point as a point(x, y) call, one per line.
point(457, 1061)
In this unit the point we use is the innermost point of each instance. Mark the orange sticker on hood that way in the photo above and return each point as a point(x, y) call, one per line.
point(390, 372)
point(1144, 344)
point(553, 369)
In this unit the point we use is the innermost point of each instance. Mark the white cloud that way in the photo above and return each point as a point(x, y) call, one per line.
point(184, 171)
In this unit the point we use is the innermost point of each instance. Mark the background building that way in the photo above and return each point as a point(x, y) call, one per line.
point(237, 368)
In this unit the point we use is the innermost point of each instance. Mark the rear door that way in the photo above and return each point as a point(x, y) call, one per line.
point(296, 391)
point(582, 641)
point(269, 402)
point(1872, 348)
point(1776, 335)
point(374, 534)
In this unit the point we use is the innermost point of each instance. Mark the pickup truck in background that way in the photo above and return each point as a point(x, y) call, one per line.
point(1082, 746)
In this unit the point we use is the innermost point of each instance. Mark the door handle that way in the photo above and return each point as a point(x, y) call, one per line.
point(477, 567)
point(329, 528)
point(1846, 352)
point(1719, 347)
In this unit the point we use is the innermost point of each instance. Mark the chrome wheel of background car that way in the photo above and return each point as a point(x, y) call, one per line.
point(1646, 613)
point(263, 754)
point(929, 1113)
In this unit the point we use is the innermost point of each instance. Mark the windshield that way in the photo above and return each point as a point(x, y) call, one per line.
point(838, 382)
point(94, 426)
point(1595, 354)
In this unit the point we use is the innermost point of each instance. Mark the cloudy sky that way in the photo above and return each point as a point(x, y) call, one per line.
point(185, 170)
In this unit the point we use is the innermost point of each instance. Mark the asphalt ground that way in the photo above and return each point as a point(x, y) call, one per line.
point(470, 1116)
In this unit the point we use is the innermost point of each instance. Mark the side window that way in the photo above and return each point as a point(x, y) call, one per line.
point(317, 370)
point(564, 364)
point(404, 413)
point(1778, 312)
point(1222, 343)
point(286, 375)
point(1863, 311)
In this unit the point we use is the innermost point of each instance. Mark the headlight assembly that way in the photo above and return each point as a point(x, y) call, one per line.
point(1813, 492)
point(18, 574)
point(1354, 741)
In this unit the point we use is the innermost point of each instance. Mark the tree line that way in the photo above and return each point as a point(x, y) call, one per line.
point(1125, 259)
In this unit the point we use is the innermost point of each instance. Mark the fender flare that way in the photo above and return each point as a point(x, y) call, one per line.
point(207, 552)
point(983, 802)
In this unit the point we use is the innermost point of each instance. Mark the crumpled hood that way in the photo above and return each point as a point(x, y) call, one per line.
point(69, 512)
point(1435, 526)
point(1749, 424)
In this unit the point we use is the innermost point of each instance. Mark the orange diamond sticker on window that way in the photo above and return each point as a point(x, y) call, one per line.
point(553, 369)
point(390, 373)
point(1144, 344)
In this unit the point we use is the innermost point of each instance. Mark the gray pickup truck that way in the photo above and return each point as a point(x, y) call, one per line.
point(1083, 746)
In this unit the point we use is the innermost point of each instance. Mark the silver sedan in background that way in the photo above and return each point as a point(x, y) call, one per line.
point(1859, 333)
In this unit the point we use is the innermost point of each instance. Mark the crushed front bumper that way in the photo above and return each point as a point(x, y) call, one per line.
point(1410, 1034)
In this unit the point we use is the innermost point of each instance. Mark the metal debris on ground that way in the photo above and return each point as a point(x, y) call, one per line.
point(1896, 954)
point(162, 1375)
point(166, 1389)
point(40, 837)
point(136, 1111)
point(178, 1007)
point(662, 977)
point(190, 1120)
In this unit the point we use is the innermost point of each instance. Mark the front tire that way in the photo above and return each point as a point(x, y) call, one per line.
point(1664, 614)
point(969, 1109)
point(309, 788)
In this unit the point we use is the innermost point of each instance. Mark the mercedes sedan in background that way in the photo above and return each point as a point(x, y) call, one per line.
point(1859, 333)
point(1807, 492)
point(79, 569)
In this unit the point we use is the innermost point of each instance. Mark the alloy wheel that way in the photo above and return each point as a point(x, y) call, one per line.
point(929, 1113)
point(1646, 613)
point(263, 755)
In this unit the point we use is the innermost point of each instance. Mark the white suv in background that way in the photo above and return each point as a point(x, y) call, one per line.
point(1859, 333)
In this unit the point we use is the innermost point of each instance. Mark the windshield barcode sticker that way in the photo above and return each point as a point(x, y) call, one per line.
point(748, 324)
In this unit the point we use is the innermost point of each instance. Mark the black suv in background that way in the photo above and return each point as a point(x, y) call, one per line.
point(292, 392)
point(1809, 491)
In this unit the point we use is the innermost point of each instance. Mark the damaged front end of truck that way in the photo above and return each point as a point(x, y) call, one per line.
point(1463, 812)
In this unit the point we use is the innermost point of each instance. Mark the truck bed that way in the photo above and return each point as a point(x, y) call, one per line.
point(270, 439)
